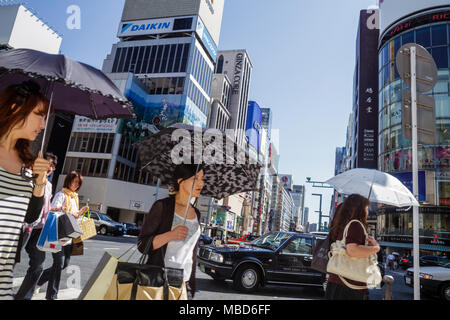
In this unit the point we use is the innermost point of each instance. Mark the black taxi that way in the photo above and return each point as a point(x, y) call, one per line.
point(274, 258)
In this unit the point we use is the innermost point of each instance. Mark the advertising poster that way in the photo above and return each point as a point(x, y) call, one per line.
point(156, 112)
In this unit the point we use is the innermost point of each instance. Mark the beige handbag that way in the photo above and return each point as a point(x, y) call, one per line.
point(357, 269)
point(87, 225)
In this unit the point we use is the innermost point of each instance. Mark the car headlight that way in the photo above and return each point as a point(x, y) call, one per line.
point(217, 257)
point(426, 276)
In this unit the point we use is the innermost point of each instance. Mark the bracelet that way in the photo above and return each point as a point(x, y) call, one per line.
point(40, 185)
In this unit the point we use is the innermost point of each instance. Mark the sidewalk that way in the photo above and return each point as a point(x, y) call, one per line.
point(63, 294)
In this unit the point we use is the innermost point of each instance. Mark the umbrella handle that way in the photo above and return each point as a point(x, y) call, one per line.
point(46, 124)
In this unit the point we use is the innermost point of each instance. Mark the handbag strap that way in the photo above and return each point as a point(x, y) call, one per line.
point(84, 214)
point(344, 238)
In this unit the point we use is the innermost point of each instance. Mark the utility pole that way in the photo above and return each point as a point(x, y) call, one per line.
point(418, 70)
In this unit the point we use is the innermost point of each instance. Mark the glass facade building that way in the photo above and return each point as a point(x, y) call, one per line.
point(430, 29)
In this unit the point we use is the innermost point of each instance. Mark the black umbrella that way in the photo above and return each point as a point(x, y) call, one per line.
point(235, 174)
point(71, 86)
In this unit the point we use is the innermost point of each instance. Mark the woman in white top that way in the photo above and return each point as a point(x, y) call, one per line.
point(65, 200)
point(173, 242)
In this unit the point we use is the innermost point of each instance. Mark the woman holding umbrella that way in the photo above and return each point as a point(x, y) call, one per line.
point(23, 111)
point(355, 207)
point(174, 236)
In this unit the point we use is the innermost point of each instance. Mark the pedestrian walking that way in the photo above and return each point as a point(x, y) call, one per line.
point(23, 111)
point(174, 244)
point(36, 256)
point(65, 200)
point(391, 260)
point(355, 207)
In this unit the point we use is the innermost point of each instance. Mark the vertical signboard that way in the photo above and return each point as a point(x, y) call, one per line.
point(366, 89)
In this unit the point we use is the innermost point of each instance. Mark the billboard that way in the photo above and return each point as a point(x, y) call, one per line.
point(286, 180)
point(253, 125)
point(156, 112)
point(211, 12)
point(206, 38)
point(406, 179)
point(366, 94)
point(83, 124)
point(393, 10)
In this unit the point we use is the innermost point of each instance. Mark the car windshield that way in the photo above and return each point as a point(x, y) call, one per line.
point(271, 240)
point(106, 218)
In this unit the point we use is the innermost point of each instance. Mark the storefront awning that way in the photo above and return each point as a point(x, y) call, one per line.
point(410, 246)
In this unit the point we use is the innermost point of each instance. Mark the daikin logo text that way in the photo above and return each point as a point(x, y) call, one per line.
point(146, 27)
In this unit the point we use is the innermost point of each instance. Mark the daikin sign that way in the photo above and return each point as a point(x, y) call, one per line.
point(142, 27)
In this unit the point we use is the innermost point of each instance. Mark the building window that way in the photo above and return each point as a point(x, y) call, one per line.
point(91, 142)
point(88, 167)
point(220, 65)
point(152, 59)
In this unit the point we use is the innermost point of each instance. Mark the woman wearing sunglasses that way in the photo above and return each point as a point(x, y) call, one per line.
point(23, 111)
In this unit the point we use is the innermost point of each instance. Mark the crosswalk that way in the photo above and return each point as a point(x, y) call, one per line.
point(63, 294)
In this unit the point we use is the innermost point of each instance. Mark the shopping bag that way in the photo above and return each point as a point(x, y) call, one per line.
point(77, 249)
point(100, 279)
point(139, 281)
point(87, 226)
point(68, 227)
point(48, 240)
point(320, 254)
point(134, 281)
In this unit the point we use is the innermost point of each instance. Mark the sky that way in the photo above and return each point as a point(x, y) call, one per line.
point(303, 56)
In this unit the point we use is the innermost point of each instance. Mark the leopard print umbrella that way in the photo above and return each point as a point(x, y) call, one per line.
point(228, 169)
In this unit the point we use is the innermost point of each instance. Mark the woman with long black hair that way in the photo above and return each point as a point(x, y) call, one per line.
point(173, 242)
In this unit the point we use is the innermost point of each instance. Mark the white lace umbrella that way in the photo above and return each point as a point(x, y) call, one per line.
point(375, 185)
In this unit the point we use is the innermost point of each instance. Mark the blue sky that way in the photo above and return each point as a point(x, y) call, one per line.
point(303, 54)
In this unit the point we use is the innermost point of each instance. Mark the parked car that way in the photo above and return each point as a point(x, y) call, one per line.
point(242, 239)
point(131, 229)
point(434, 280)
point(276, 257)
point(205, 239)
point(106, 225)
point(407, 262)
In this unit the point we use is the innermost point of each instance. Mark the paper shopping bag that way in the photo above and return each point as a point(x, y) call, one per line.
point(48, 240)
point(100, 279)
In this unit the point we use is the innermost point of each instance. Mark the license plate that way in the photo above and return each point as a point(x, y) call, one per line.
point(408, 280)
point(202, 268)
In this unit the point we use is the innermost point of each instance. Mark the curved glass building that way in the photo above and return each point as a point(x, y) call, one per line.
point(431, 29)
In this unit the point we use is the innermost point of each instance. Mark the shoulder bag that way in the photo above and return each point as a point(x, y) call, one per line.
point(140, 281)
point(357, 269)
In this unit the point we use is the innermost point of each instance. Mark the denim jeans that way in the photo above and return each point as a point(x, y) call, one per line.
point(35, 269)
point(61, 260)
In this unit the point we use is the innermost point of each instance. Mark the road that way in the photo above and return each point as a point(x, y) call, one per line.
point(81, 267)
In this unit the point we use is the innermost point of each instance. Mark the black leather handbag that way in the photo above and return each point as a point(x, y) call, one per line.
point(140, 281)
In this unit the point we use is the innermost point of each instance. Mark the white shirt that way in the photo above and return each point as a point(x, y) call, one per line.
point(59, 201)
point(179, 253)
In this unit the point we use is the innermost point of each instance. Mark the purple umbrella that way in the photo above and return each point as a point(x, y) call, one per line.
point(72, 87)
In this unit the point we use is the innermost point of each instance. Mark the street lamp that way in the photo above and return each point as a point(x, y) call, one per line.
point(319, 184)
